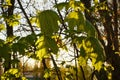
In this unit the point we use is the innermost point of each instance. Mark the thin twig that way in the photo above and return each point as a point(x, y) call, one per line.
point(56, 68)
point(75, 61)
point(62, 20)
point(76, 51)
point(26, 16)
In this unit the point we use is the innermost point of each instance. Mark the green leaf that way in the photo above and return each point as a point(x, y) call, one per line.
point(14, 61)
point(2, 27)
point(61, 5)
point(30, 39)
point(48, 22)
point(90, 29)
point(75, 18)
point(82, 60)
point(52, 45)
point(96, 1)
point(97, 55)
point(13, 20)
point(1, 42)
point(92, 49)
point(24, 44)
point(19, 47)
point(96, 45)
point(79, 40)
point(72, 23)
point(42, 48)
point(5, 51)
point(47, 73)
point(12, 74)
point(45, 45)
point(98, 65)
point(82, 52)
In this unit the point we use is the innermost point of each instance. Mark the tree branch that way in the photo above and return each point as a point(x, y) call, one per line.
point(56, 68)
point(116, 43)
point(62, 20)
point(26, 16)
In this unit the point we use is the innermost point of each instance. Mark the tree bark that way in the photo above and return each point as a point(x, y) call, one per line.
point(111, 30)
point(9, 29)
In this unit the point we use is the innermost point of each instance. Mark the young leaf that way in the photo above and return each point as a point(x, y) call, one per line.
point(45, 45)
point(92, 49)
point(71, 3)
point(97, 46)
point(41, 48)
point(98, 65)
point(82, 60)
point(48, 22)
point(97, 54)
point(75, 18)
point(79, 40)
point(76, 5)
point(47, 73)
point(13, 20)
point(2, 27)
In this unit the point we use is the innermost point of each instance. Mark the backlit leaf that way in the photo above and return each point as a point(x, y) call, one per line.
point(52, 45)
point(2, 27)
point(45, 45)
point(82, 60)
point(33, 20)
point(47, 73)
point(41, 48)
point(79, 40)
point(13, 20)
point(12, 74)
point(98, 65)
point(60, 6)
point(71, 3)
point(97, 46)
point(89, 28)
point(96, 1)
point(76, 5)
point(92, 49)
point(8, 2)
point(13, 71)
point(75, 18)
point(48, 22)
point(13, 23)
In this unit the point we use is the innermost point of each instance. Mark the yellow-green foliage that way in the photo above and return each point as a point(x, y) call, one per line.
point(69, 73)
point(12, 74)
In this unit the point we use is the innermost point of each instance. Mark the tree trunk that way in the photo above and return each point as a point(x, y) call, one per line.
point(9, 29)
point(111, 30)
